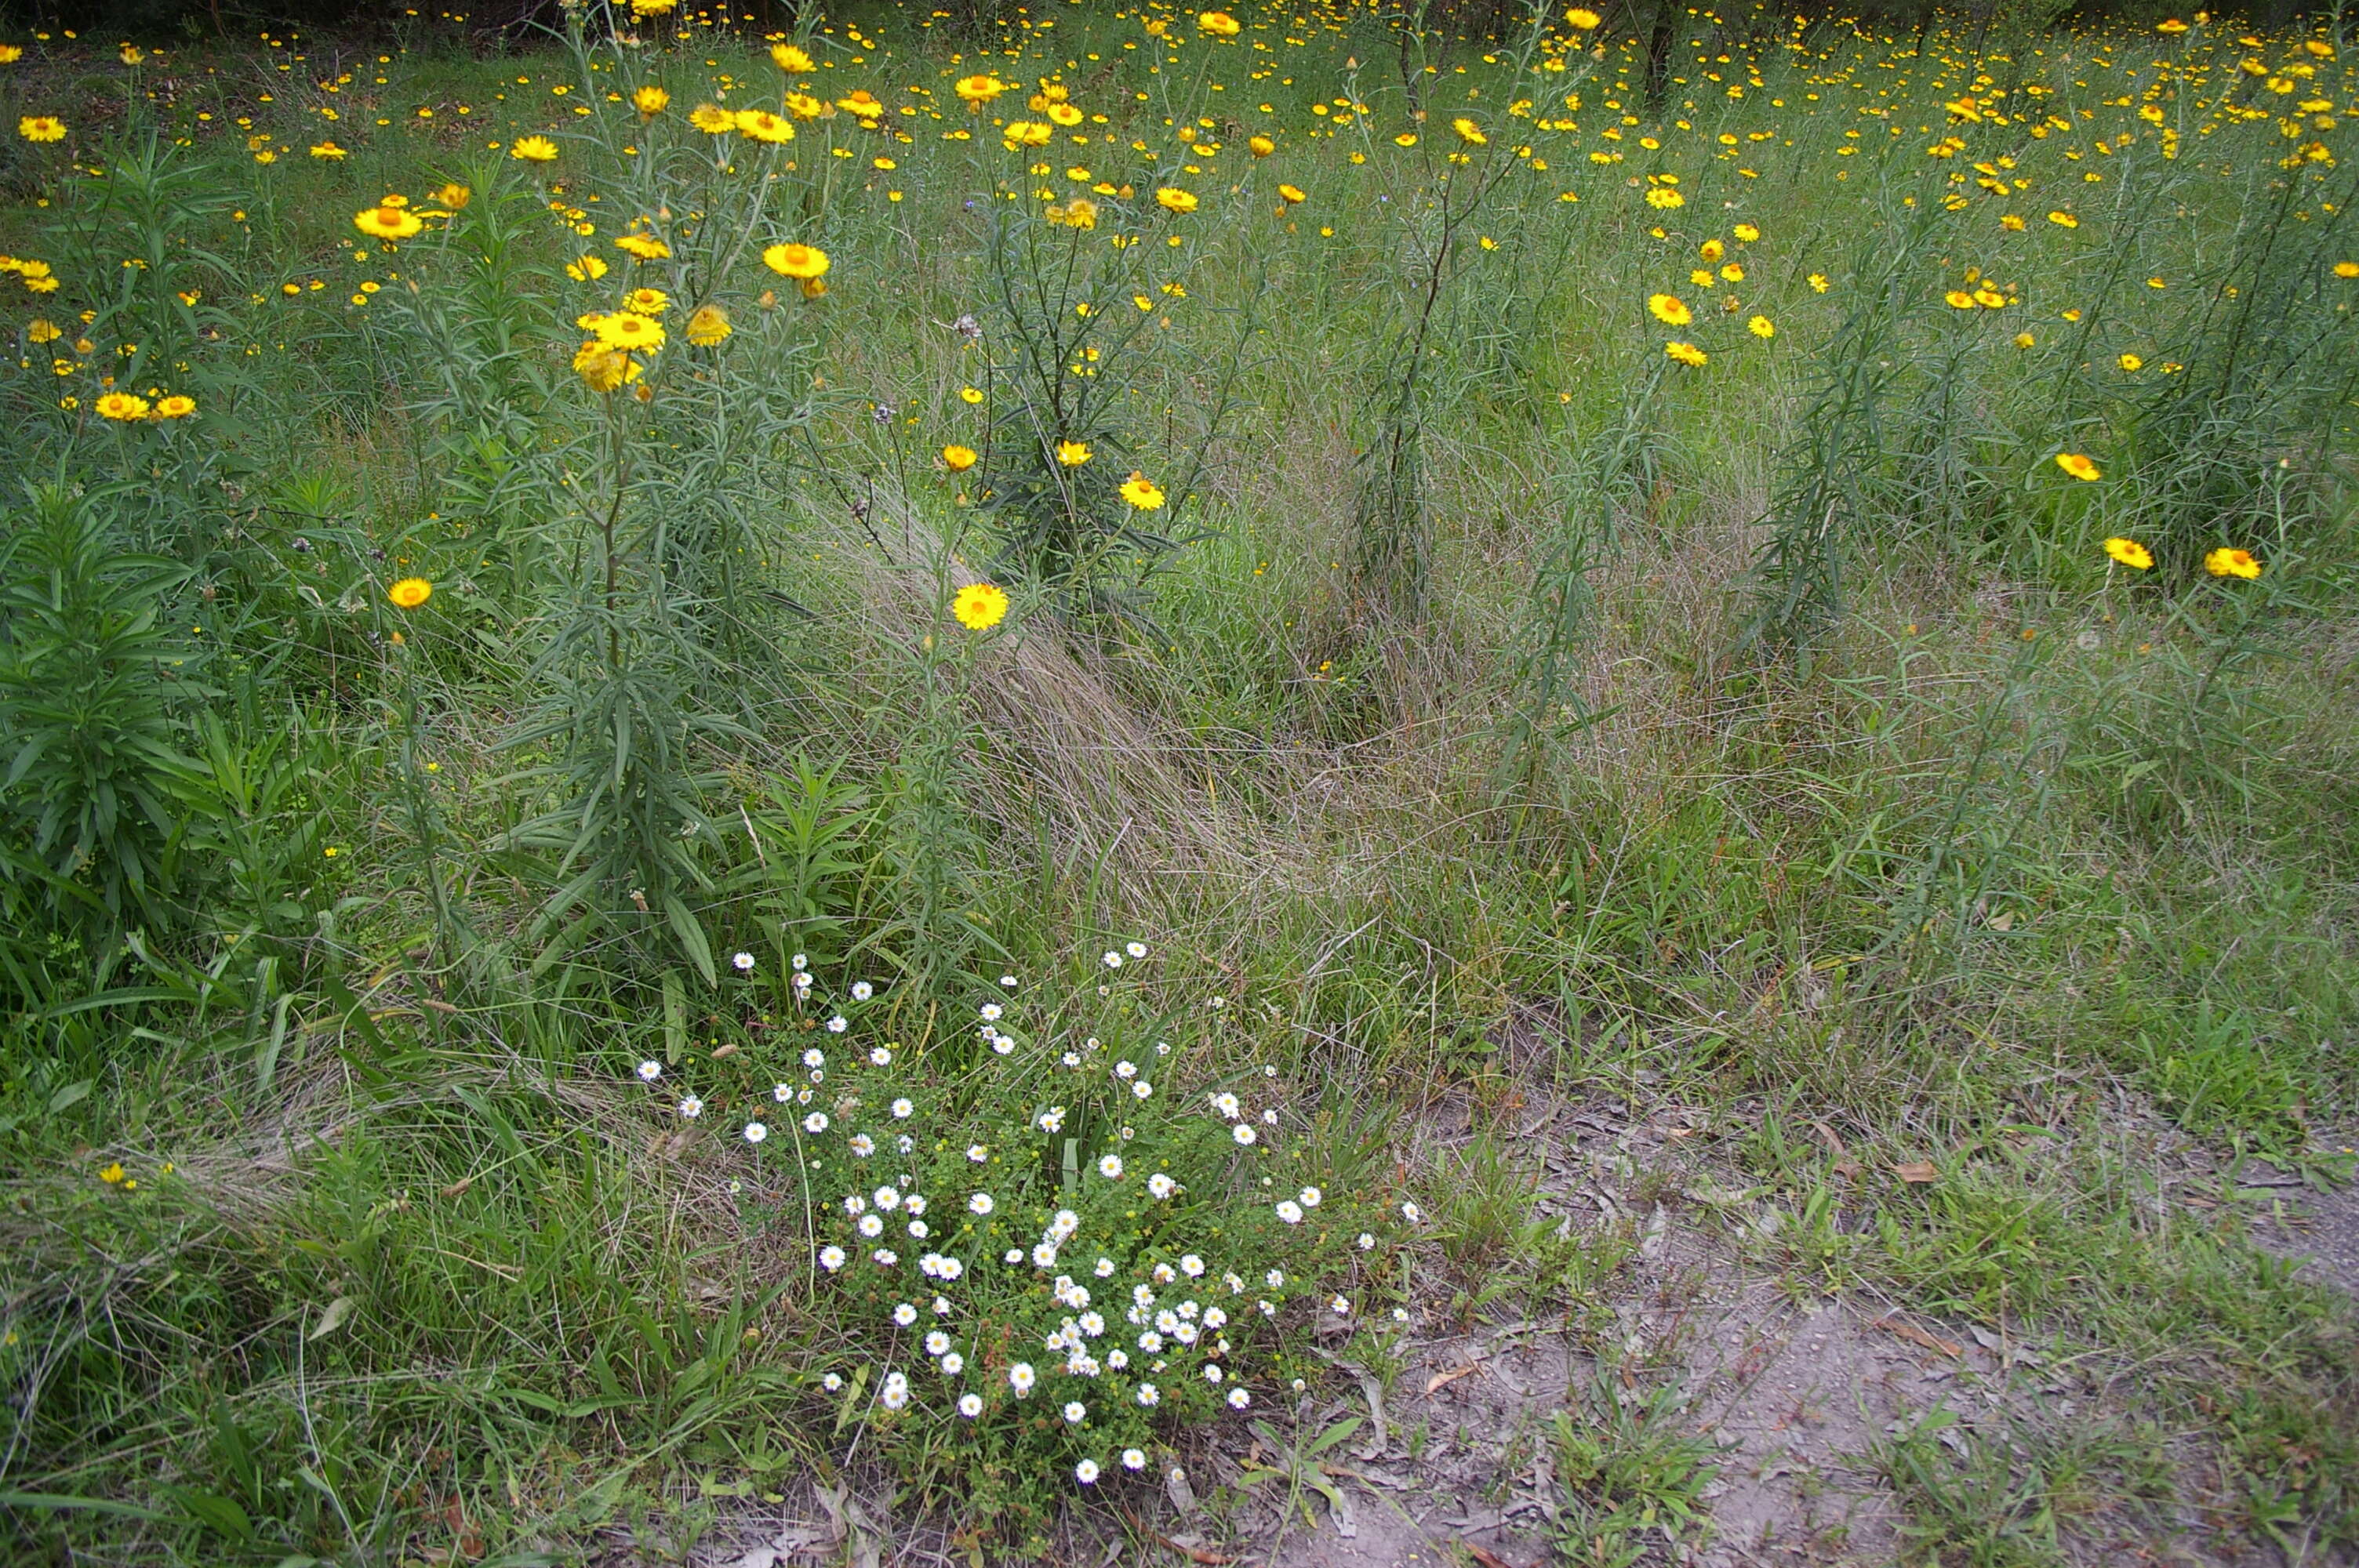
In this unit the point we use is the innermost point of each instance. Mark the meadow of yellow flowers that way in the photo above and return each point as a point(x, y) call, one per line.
point(738, 749)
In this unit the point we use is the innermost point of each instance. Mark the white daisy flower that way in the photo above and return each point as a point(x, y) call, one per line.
point(862, 990)
point(1076, 1413)
point(982, 1203)
point(1111, 960)
point(1311, 1197)
point(831, 1259)
point(904, 1315)
point(1290, 1211)
point(953, 1364)
point(691, 1108)
point(1135, 949)
point(882, 1057)
point(651, 1071)
point(838, 1025)
point(1239, 1398)
point(1244, 1133)
point(743, 963)
point(1086, 1472)
point(816, 1122)
point(978, 1152)
point(1110, 1167)
point(903, 1109)
point(755, 1132)
point(1021, 1377)
point(832, 1382)
point(1149, 1395)
point(1133, 1459)
point(783, 1093)
point(970, 1405)
point(862, 1145)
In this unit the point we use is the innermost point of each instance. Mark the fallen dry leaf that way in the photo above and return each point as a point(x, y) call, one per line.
point(1438, 1378)
point(1835, 1144)
point(1917, 1171)
point(1918, 1336)
point(1486, 1556)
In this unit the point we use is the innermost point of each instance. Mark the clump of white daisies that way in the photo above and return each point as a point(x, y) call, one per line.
point(1039, 1255)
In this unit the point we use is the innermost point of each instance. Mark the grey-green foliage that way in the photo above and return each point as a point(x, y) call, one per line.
point(1063, 526)
point(1392, 544)
point(2269, 366)
point(1834, 487)
point(92, 781)
point(619, 843)
point(1613, 474)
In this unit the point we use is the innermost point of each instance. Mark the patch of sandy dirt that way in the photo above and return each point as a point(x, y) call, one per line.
point(2319, 1229)
point(1454, 1461)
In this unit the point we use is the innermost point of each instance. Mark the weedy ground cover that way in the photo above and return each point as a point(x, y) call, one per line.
point(884, 752)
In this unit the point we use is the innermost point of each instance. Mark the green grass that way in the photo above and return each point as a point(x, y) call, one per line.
point(338, 1225)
